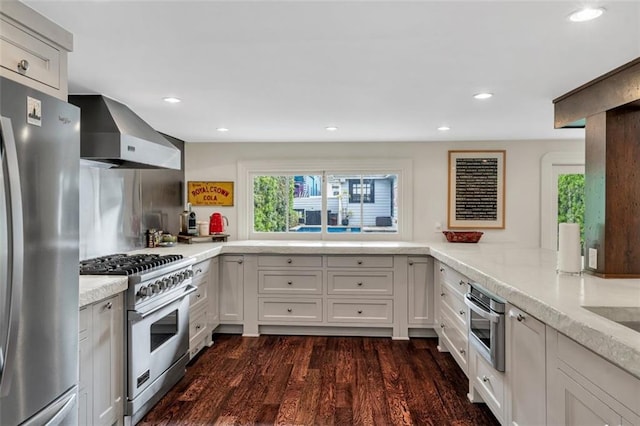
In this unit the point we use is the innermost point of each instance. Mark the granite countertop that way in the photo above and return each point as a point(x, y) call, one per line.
point(526, 277)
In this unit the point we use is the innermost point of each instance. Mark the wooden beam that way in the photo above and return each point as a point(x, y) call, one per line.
point(611, 90)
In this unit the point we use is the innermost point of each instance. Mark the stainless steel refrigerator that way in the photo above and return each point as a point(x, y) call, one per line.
point(39, 172)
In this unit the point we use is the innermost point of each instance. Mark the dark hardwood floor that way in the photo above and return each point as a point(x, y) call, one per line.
point(296, 380)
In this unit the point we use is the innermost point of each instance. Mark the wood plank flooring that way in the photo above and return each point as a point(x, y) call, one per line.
point(302, 380)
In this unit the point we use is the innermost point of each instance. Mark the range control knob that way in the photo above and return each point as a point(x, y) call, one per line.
point(190, 273)
point(161, 284)
point(167, 282)
point(155, 288)
point(144, 291)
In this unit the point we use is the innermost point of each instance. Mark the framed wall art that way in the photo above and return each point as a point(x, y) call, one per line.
point(210, 193)
point(476, 189)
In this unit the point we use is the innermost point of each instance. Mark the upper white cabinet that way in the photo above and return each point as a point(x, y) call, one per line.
point(33, 50)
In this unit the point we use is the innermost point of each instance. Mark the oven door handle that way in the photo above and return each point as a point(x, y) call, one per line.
point(140, 315)
point(488, 315)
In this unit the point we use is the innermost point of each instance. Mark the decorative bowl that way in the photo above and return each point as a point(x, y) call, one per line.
point(462, 236)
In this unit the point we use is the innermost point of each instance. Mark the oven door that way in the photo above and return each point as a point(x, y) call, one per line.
point(486, 332)
point(157, 338)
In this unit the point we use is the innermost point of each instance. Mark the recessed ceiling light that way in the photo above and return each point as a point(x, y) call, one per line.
point(331, 128)
point(172, 100)
point(586, 14)
point(483, 95)
point(222, 129)
point(444, 128)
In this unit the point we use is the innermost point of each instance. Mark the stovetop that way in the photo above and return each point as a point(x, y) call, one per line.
point(123, 264)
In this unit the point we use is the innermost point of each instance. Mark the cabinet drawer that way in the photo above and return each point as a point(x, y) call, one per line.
point(197, 325)
point(490, 383)
point(360, 261)
point(363, 311)
point(290, 261)
point(456, 341)
point(196, 347)
point(456, 280)
point(357, 282)
point(288, 282)
point(201, 270)
point(17, 45)
point(198, 298)
point(453, 303)
point(292, 310)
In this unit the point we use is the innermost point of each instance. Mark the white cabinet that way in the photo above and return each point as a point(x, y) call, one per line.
point(420, 291)
point(452, 315)
point(486, 384)
point(199, 305)
point(525, 368)
point(231, 289)
point(585, 389)
point(214, 293)
point(101, 363)
point(33, 50)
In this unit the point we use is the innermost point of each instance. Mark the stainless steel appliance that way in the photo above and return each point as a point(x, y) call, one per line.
point(157, 318)
point(39, 156)
point(486, 324)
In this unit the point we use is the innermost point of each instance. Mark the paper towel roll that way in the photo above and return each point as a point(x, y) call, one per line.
point(569, 257)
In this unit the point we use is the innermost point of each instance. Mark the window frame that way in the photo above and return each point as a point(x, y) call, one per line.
point(403, 168)
point(362, 184)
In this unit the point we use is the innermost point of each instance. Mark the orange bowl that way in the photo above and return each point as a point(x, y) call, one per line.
point(462, 236)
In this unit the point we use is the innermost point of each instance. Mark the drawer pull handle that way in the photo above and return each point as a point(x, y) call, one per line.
point(359, 311)
point(198, 327)
point(290, 282)
point(109, 305)
point(441, 269)
point(462, 351)
point(198, 296)
point(240, 262)
point(198, 271)
point(289, 310)
point(411, 263)
point(442, 294)
point(289, 260)
point(442, 325)
point(485, 379)
point(359, 262)
point(461, 282)
point(461, 312)
point(360, 283)
point(23, 65)
point(520, 317)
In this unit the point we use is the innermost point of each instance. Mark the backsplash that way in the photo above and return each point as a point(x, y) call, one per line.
point(117, 206)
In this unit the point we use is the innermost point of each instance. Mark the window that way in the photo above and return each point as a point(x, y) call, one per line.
point(361, 190)
point(289, 200)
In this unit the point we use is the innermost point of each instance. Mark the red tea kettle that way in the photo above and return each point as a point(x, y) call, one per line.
point(216, 223)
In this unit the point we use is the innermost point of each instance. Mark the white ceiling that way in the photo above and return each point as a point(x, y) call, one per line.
point(378, 70)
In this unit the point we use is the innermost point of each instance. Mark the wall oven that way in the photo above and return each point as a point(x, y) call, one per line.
point(487, 324)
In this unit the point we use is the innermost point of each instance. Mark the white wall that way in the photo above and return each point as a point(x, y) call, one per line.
point(218, 161)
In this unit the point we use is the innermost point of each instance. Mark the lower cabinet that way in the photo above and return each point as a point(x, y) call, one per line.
point(486, 384)
point(420, 291)
point(199, 329)
point(525, 368)
point(231, 289)
point(101, 389)
point(585, 389)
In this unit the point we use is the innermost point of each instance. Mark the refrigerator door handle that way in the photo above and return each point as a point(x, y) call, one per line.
point(15, 257)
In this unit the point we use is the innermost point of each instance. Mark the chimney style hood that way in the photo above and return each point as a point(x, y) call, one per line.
point(111, 133)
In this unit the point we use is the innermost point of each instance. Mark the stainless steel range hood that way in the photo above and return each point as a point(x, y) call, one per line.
point(112, 133)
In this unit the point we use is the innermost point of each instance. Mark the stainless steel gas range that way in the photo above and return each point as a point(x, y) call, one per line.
point(157, 323)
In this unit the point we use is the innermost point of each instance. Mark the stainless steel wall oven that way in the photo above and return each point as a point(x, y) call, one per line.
point(487, 324)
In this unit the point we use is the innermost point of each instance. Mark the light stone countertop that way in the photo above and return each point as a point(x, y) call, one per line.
point(526, 277)
point(94, 288)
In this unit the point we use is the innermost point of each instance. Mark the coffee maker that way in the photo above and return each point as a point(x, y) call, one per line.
point(188, 224)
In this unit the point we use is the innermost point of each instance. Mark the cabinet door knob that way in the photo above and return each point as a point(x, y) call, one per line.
point(442, 294)
point(411, 263)
point(359, 284)
point(461, 282)
point(290, 282)
point(198, 296)
point(359, 262)
point(442, 325)
point(289, 310)
point(441, 269)
point(109, 305)
point(240, 262)
point(461, 312)
point(23, 65)
point(198, 271)
point(198, 327)
point(485, 379)
point(462, 351)
point(359, 311)
point(520, 317)
point(289, 260)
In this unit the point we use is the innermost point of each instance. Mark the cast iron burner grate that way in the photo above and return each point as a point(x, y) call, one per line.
point(122, 264)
